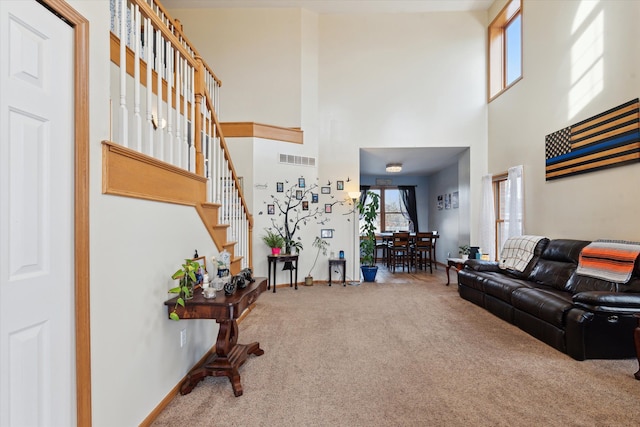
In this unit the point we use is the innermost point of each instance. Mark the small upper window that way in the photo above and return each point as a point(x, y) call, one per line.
point(505, 49)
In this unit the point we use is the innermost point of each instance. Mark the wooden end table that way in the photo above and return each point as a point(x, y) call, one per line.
point(340, 262)
point(273, 260)
point(229, 355)
point(456, 263)
point(636, 335)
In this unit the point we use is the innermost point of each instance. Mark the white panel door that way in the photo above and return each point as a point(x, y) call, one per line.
point(37, 356)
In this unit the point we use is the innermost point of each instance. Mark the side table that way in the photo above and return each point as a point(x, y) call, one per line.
point(273, 260)
point(339, 263)
point(636, 335)
point(456, 263)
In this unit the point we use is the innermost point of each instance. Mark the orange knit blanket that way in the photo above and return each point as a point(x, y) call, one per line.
point(609, 260)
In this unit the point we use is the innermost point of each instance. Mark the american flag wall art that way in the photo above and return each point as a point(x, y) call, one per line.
point(603, 141)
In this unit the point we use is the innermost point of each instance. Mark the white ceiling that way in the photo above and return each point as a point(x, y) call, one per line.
point(415, 161)
point(339, 6)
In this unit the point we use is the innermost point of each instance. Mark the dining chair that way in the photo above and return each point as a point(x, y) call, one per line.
point(422, 249)
point(398, 251)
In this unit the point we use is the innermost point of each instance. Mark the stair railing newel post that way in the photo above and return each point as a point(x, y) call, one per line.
point(199, 95)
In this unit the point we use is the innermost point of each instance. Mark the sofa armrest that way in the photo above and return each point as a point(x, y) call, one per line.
point(480, 265)
point(608, 301)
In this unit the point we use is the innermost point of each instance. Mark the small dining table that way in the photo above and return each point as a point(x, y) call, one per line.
point(387, 235)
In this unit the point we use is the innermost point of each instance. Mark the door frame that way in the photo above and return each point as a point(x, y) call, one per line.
point(80, 26)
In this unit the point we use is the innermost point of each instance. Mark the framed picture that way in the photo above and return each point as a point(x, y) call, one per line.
point(314, 197)
point(454, 200)
point(305, 206)
point(325, 190)
point(339, 185)
point(279, 187)
point(447, 201)
point(327, 208)
point(298, 194)
point(440, 202)
point(301, 182)
point(271, 209)
point(203, 263)
point(326, 233)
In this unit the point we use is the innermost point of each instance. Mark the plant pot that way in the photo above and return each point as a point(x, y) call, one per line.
point(465, 257)
point(369, 273)
point(308, 281)
point(275, 251)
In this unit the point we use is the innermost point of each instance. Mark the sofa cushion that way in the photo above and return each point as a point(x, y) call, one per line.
point(549, 305)
point(502, 286)
point(557, 263)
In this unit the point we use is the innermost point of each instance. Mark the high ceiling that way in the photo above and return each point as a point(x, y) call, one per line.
point(339, 6)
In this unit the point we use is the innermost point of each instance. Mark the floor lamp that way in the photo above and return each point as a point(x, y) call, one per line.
point(355, 195)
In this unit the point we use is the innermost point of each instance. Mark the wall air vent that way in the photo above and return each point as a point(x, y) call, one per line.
point(290, 159)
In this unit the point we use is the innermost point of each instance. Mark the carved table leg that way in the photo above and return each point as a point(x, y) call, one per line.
point(636, 335)
point(226, 361)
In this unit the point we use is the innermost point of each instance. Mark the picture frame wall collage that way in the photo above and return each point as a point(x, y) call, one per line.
point(448, 201)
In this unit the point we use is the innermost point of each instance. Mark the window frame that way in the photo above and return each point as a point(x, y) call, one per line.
point(499, 182)
point(497, 49)
point(382, 212)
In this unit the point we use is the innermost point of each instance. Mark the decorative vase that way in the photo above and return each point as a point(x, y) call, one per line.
point(229, 288)
point(369, 273)
point(275, 251)
point(465, 257)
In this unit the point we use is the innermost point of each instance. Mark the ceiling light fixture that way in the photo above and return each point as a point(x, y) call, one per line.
point(394, 167)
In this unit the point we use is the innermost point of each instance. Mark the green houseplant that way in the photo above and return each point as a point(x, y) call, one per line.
point(369, 215)
point(274, 241)
point(321, 245)
point(464, 250)
point(187, 281)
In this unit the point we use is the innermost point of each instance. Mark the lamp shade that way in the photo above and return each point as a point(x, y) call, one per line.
point(394, 167)
point(354, 195)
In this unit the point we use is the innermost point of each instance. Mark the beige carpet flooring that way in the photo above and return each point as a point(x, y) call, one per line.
point(406, 352)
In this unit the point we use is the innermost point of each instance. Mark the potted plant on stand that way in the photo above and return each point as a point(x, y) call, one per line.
point(322, 245)
point(369, 214)
point(464, 251)
point(187, 283)
point(274, 241)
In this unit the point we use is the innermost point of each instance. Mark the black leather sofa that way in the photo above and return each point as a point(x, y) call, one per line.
point(585, 317)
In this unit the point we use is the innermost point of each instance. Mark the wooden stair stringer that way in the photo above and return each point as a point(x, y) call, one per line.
point(208, 213)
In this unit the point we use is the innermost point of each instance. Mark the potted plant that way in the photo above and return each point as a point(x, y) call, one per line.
point(369, 215)
point(187, 283)
point(322, 245)
point(464, 251)
point(274, 241)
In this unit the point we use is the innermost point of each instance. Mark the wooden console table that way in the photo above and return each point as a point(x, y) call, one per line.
point(636, 335)
point(229, 355)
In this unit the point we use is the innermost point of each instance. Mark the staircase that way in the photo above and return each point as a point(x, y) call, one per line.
point(169, 145)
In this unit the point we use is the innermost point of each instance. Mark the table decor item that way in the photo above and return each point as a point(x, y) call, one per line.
point(187, 281)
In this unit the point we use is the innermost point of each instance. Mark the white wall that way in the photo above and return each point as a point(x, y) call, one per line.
point(580, 59)
point(446, 221)
point(257, 53)
point(403, 80)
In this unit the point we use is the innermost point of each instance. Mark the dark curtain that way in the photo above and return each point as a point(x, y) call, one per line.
point(408, 196)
